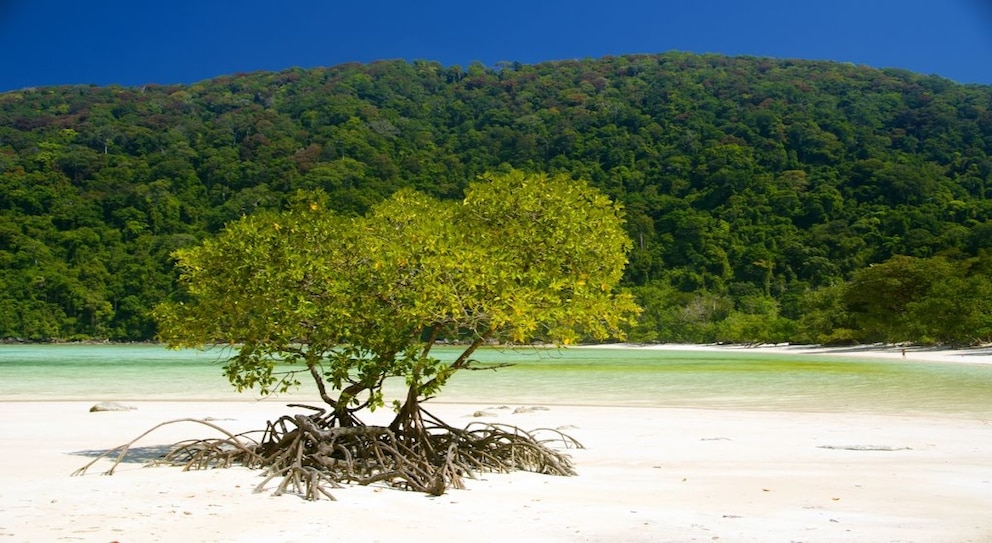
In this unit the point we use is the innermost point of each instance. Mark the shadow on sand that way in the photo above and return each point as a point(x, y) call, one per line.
point(135, 455)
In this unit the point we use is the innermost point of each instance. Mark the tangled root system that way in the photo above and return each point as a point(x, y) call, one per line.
point(311, 454)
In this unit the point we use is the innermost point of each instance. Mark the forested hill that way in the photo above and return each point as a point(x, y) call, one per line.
point(758, 192)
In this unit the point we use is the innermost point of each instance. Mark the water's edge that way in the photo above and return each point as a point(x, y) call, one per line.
point(696, 378)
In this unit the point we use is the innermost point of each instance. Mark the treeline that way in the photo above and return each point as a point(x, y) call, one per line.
point(762, 195)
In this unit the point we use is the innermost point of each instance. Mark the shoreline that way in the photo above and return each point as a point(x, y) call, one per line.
point(849, 381)
point(909, 353)
point(978, 354)
point(645, 474)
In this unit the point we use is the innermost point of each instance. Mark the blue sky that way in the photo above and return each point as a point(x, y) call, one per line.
point(49, 42)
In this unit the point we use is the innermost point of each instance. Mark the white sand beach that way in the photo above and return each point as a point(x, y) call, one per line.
point(972, 355)
point(646, 474)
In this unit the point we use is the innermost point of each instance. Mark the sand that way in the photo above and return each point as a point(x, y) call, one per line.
point(646, 474)
point(909, 353)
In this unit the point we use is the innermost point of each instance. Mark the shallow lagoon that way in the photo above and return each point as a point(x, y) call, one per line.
point(600, 376)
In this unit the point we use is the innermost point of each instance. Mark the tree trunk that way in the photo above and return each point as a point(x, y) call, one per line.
point(405, 422)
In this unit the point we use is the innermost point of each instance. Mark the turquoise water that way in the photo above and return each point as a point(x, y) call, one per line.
point(630, 377)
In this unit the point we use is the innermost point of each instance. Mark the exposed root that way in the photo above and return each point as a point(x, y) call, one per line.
point(311, 454)
point(237, 448)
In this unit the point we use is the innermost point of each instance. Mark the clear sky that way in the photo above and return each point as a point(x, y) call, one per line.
point(135, 42)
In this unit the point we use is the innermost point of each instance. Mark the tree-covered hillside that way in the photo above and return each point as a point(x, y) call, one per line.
point(758, 192)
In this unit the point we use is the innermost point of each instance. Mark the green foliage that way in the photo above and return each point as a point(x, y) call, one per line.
point(925, 300)
point(523, 257)
point(826, 319)
point(880, 295)
point(785, 175)
point(673, 316)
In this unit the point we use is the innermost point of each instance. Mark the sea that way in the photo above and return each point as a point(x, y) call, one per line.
point(599, 376)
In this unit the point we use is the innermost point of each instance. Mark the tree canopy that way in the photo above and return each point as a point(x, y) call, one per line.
point(357, 300)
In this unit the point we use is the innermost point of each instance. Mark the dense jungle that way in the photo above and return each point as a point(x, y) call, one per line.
point(767, 200)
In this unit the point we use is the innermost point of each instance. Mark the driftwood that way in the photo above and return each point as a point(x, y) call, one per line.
point(310, 454)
